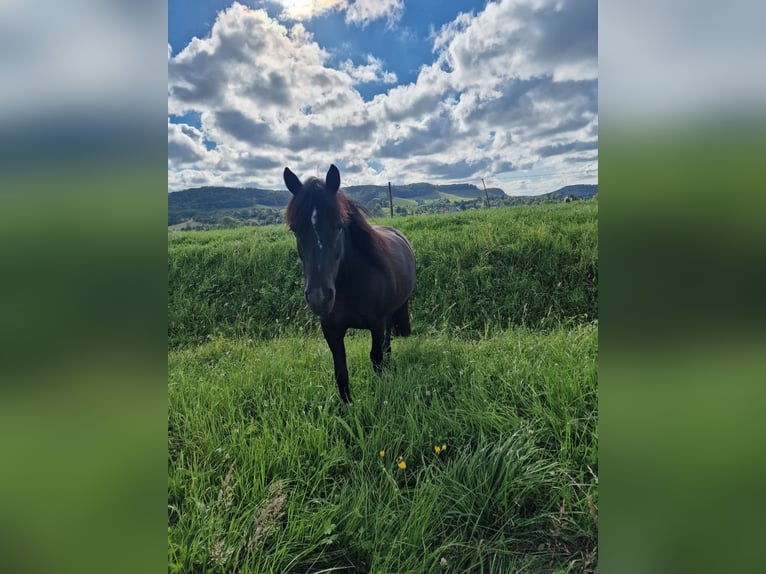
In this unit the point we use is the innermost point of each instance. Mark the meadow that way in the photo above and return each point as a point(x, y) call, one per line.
point(475, 451)
point(534, 266)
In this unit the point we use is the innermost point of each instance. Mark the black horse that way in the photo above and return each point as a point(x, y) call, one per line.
point(357, 276)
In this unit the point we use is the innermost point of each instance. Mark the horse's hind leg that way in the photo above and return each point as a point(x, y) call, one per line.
point(387, 337)
point(400, 320)
point(378, 338)
point(399, 323)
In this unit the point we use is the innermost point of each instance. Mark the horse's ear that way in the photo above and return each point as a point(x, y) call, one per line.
point(292, 182)
point(332, 181)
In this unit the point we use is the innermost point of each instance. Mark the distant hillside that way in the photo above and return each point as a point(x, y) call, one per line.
point(566, 193)
point(574, 192)
point(213, 207)
point(206, 204)
point(420, 192)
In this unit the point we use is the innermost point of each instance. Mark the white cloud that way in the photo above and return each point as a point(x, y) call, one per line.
point(358, 12)
point(362, 12)
point(512, 88)
point(416, 99)
point(185, 144)
point(522, 39)
point(261, 87)
point(372, 71)
point(255, 79)
point(186, 178)
point(307, 9)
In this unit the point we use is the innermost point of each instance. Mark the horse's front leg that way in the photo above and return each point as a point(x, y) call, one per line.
point(378, 339)
point(334, 337)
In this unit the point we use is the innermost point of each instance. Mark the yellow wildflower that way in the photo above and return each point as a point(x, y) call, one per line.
point(444, 447)
point(402, 464)
point(382, 452)
point(437, 449)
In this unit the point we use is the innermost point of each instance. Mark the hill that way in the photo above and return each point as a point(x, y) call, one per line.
point(573, 192)
point(566, 193)
point(228, 207)
point(212, 204)
point(420, 192)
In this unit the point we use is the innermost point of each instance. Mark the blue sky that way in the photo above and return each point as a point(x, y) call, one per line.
point(388, 90)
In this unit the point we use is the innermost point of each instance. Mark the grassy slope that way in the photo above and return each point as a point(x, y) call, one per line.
point(403, 202)
point(269, 473)
point(531, 265)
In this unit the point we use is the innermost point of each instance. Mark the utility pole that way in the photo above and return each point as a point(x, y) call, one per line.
point(390, 200)
point(485, 191)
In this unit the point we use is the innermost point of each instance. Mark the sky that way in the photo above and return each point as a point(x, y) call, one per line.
point(441, 91)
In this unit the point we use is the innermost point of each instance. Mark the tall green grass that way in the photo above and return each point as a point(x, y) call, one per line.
point(477, 271)
point(269, 472)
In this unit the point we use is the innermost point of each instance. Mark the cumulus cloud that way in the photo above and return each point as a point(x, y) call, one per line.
point(522, 39)
point(516, 81)
point(372, 71)
point(363, 12)
point(186, 178)
point(416, 99)
point(512, 87)
point(257, 83)
point(359, 12)
point(241, 65)
point(307, 9)
point(562, 148)
point(185, 144)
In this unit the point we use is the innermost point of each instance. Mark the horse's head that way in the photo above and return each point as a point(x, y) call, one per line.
point(316, 215)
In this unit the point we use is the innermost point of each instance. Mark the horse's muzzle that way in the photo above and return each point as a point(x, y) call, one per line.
point(320, 301)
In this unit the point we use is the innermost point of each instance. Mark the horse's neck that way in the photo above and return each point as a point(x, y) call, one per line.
point(355, 257)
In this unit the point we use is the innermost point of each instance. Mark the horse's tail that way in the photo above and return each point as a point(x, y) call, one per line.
point(401, 321)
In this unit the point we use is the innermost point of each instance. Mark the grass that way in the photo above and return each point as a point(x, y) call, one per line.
point(532, 266)
point(403, 202)
point(268, 472)
point(455, 198)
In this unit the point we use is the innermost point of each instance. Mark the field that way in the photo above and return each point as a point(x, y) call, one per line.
point(475, 451)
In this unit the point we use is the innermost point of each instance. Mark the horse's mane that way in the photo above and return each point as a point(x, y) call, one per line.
point(369, 243)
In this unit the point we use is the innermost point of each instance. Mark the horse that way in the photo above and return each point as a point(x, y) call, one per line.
point(356, 275)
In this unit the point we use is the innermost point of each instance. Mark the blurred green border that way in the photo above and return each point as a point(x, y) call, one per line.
point(682, 253)
point(83, 408)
